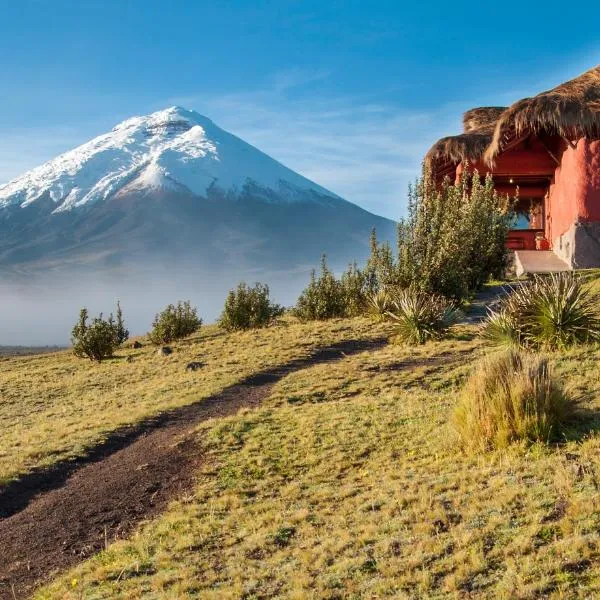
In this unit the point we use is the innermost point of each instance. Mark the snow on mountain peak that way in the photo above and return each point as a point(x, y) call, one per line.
point(170, 148)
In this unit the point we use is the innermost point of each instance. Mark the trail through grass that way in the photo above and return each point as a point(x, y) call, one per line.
point(347, 483)
point(54, 406)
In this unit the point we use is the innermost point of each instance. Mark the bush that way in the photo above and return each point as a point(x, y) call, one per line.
point(354, 291)
point(247, 308)
point(121, 332)
point(510, 397)
point(174, 323)
point(419, 316)
point(551, 312)
point(96, 341)
point(324, 298)
point(452, 241)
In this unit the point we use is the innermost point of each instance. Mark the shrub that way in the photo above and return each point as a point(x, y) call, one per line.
point(551, 312)
point(174, 323)
point(95, 341)
point(452, 241)
point(248, 307)
point(354, 291)
point(510, 397)
point(323, 298)
point(420, 316)
point(121, 332)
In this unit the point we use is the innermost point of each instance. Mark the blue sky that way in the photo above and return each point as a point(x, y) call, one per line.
point(350, 94)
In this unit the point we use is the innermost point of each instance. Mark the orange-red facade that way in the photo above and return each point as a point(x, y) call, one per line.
point(558, 186)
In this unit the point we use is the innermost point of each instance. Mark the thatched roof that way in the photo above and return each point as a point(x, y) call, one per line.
point(571, 110)
point(482, 119)
point(479, 124)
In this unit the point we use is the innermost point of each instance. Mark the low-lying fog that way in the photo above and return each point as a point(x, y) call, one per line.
point(42, 310)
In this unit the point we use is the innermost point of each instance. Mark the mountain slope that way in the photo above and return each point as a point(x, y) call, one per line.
point(173, 185)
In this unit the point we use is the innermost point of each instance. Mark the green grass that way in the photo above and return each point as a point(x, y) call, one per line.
point(55, 406)
point(347, 483)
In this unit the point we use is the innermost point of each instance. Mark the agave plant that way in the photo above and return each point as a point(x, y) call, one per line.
point(551, 312)
point(420, 316)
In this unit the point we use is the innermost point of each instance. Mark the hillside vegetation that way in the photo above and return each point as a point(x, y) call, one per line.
point(54, 406)
point(457, 460)
point(348, 482)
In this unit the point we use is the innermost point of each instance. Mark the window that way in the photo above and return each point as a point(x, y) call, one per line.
point(529, 214)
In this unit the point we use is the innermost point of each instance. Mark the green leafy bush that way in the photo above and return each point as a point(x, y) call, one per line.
point(452, 241)
point(510, 397)
point(249, 307)
point(552, 312)
point(121, 332)
point(420, 316)
point(174, 323)
point(95, 341)
point(324, 298)
point(354, 291)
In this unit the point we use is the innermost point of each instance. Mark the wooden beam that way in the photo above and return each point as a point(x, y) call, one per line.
point(552, 156)
point(572, 144)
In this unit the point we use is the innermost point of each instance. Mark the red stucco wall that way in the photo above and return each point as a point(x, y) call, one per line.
point(574, 195)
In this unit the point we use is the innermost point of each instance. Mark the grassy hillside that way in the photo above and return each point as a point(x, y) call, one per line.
point(54, 406)
point(346, 483)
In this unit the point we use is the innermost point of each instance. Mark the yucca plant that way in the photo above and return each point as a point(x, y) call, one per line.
point(420, 316)
point(379, 303)
point(564, 313)
point(510, 397)
point(551, 312)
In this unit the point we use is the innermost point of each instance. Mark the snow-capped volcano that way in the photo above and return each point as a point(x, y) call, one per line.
point(172, 188)
point(172, 148)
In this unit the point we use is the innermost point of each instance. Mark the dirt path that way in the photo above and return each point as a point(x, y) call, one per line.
point(483, 300)
point(56, 518)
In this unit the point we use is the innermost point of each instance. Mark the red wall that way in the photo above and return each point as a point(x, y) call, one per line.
point(575, 193)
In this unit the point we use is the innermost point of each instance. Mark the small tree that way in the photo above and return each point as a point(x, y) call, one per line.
point(453, 240)
point(323, 298)
point(174, 323)
point(121, 332)
point(355, 288)
point(249, 307)
point(96, 341)
point(381, 271)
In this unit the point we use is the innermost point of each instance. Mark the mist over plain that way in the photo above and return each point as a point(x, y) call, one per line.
point(41, 309)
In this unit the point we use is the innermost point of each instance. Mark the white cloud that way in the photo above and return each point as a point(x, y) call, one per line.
point(364, 151)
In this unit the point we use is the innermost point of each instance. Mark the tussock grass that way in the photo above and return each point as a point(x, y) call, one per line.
point(510, 397)
point(54, 406)
point(344, 484)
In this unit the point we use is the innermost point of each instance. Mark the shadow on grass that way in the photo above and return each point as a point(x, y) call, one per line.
point(584, 421)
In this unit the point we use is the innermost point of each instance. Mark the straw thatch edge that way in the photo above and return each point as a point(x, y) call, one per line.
point(570, 110)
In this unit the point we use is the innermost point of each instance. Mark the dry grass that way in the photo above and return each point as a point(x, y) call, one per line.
point(509, 397)
point(344, 485)
point(54, 406)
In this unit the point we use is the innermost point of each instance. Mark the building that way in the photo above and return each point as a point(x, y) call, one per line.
point(548, 147)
